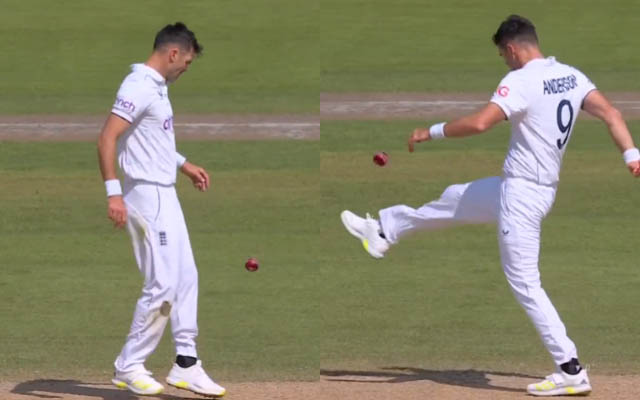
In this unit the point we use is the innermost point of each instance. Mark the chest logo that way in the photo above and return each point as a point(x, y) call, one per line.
point(168, 124)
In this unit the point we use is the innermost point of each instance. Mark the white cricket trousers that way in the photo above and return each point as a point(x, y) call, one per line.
point(163, 252)
point(518, 206)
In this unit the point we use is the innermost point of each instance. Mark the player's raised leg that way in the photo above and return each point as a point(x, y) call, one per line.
point(368, 231)
point(468, 203)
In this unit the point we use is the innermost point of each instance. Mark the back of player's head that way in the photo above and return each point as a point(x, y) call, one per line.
point(515, 28)
point(179, 34)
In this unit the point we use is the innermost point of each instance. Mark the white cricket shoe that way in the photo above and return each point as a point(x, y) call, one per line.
point(139, 382)
point(194, 379)
point(562, 384)
point(368, 231)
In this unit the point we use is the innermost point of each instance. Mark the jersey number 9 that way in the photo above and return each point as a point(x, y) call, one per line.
point(565, 129)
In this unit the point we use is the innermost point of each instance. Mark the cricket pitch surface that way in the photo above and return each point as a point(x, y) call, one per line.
point(394, 383)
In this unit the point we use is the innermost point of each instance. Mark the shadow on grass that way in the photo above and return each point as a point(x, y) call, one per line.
point(57, 389)
point(467, 378)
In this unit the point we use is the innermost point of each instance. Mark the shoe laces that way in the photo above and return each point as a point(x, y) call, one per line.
point(555, 378)
point(198, 370)
point(140, 372)
point(374, 221)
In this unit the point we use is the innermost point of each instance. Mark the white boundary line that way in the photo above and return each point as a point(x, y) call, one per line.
point(356, 104)
point(63, 125)
point(436, 102)
point(186, 130)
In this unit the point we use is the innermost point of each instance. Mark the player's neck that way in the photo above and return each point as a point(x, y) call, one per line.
point(528, 54)
point(157, 64)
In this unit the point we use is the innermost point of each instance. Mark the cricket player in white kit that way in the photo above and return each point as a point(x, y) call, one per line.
point(541, 97)
point(140, 132)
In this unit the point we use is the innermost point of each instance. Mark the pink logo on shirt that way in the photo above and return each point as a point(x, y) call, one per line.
point(168, 123)
point(503, 91)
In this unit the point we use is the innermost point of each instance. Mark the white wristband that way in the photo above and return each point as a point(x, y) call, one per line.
point(113, 187)
point(180, 159)
point(631, 155)
point(436, 131)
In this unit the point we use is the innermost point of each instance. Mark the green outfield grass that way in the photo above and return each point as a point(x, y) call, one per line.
point(260, 56)
point(69, 281)
point(418, 46)
point(439, 300)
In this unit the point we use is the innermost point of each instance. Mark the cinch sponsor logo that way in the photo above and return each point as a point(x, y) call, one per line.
point(168, 123)
point(503, 91)
point(125, 105)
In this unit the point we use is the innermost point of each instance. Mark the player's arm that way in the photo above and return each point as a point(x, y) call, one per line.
point(197, 174)
point(472, 124)
point(107, 142)
point(597, 105)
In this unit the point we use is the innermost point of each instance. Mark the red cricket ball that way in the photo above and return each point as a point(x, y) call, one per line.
point(252, 264)
point(381, 158)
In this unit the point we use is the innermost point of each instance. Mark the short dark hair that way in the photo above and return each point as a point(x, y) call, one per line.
point(179, 34)
point(515, 28)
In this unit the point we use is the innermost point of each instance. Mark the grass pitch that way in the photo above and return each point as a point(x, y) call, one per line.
point(71, 58)
point(439, 299)
point(425, 46)
point(69, 280)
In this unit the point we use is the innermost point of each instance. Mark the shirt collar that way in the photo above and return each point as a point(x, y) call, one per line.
point(152, 73)
point(548, 60)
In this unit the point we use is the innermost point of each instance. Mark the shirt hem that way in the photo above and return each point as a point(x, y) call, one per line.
point(585, 96)
point(137, 181)
point(506, 114)
point(122, 115)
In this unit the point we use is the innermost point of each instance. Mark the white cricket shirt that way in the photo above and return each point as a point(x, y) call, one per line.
point(147, 150)
point(542, 100)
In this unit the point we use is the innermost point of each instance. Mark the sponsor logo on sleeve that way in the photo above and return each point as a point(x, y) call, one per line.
point(503, 91)
point(124, 105)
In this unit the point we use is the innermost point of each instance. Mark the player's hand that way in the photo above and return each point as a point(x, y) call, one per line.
point(117, 211)
point(198, 176)
point(419, 135)
point(634, 168)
